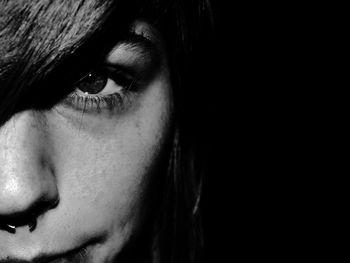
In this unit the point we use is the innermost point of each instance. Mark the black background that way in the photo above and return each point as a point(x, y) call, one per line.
point(250, 176)
point(220, 196)
point(268, 194)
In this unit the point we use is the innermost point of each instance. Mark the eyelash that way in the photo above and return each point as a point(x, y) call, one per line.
point(94, 103)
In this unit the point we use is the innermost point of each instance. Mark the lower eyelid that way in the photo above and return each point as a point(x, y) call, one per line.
point(95, 104)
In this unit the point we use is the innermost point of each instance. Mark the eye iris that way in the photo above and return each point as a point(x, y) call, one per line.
point(92, 83)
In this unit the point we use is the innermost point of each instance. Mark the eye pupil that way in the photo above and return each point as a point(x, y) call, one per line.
point(92, 83)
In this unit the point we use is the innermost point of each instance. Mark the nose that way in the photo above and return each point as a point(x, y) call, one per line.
point(27, 180)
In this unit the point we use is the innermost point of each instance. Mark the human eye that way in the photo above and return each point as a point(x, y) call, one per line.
point(112, 85)
point(106, 88)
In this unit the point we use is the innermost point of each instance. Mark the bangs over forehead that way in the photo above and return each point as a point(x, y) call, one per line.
point(35, 33)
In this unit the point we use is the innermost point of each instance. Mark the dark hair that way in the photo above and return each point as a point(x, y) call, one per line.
point(42, 40)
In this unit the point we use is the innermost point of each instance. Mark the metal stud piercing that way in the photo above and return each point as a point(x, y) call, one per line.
point(13, 228)
point(9, 228)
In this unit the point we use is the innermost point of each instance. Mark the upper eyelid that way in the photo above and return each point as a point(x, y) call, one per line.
point(140, 44)
point(134, 42)
point(138, 55)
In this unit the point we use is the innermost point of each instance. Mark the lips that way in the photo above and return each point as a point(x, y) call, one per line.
point(78, 255)
point(79, 252)
point(74, 256)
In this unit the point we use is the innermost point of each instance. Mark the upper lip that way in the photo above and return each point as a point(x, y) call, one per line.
point(44, 258)
point(65, 254)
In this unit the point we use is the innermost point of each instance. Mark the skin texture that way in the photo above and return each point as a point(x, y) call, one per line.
point(98, 164)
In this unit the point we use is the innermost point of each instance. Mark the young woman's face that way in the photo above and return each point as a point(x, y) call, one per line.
point(95, 152)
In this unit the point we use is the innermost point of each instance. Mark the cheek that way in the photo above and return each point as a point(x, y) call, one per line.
point(103, 167)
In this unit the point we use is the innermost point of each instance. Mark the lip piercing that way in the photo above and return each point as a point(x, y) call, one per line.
point(8, 228)
point(12, 229)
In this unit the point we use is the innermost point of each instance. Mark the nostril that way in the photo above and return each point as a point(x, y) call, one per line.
point(12, 228)
point(27, 217)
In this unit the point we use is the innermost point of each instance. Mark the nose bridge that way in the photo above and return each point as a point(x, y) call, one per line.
point(26, 173)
